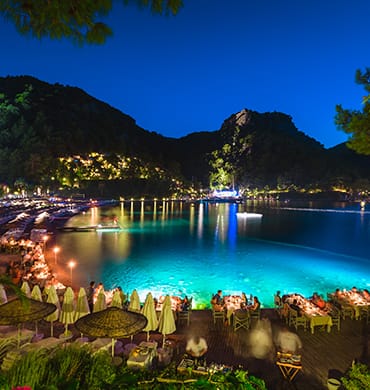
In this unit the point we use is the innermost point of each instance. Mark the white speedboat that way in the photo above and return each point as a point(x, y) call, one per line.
point(249, 215)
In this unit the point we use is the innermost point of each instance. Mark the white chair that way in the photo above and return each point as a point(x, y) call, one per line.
point(241, 319)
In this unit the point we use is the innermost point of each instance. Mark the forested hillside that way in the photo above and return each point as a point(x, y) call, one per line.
point(58, 136)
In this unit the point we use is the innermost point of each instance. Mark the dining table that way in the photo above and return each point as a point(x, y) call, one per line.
point(315, 315)
point(142, 356)
point(354, 299)
point(231, 304)
point(289, 365)
point(175, 303)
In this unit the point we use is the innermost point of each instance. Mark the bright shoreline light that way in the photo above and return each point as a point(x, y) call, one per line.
point(71, 265)
point(249, 215)
point(56, 250)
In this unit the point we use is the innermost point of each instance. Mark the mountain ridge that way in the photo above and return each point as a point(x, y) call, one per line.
point(51, 120)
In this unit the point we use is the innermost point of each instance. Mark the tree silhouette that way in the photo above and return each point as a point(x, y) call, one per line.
point(357, 123)
point(77, 20)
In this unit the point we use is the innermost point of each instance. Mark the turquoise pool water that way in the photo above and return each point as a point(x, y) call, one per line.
point(183, 249)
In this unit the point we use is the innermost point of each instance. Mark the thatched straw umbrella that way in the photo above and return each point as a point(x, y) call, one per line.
point(19, 311)
point(111, 322)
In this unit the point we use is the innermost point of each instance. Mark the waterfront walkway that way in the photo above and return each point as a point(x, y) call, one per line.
point(322, 352)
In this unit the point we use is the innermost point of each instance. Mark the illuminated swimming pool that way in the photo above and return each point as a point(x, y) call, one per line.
point(183, 249)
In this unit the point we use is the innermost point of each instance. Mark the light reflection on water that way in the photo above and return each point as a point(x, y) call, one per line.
point(178, 248)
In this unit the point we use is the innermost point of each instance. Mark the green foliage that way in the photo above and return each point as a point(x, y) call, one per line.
point(79, 21)
point(68, 364)
point(225, 162)
point(75, 368)
point(101, 373)
point(30, 370)
point(60, 137)
point(356, 123)
point(357, 377)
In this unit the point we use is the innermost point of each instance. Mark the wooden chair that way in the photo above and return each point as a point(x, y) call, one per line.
point(296, 320)
point(255, 314)
point(218, 315)
point(347, 311)
point(335, 317)
point(284, 312)
point(185, 314)
point(364, 313)
point(241, 319)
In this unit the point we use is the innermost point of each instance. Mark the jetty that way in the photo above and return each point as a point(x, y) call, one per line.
point(91, 228)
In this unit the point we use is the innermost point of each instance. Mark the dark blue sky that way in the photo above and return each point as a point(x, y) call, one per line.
point(177, 75)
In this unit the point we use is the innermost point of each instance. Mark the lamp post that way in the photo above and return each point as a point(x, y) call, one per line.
point(71, 265)
point(45, 238)
point(56, 251)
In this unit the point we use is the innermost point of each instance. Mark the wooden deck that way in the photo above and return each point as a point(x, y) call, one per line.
point(322, 352)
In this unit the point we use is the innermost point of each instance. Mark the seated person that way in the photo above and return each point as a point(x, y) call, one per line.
point(217, 301)
point(242, 312)
point(277, 299)
point(318, 301)
point(196, 347)
point(315, 297)
point(338, 294)
point(256, 304)
point(295, 307)
point(185, 304)
point(366, 294)
point(244, 298)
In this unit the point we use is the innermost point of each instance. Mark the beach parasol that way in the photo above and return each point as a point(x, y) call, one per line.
point(3, 297)
point(111, 322)
point(82, 306)
point(53, 298)
point(19, 311)
point(36, 293)
point(100, 303)
point(166, 320)
point(150, 314)
point(25, 288)
point(37, 296)
point(67, 313)
point(134, 304)
point(117, 299)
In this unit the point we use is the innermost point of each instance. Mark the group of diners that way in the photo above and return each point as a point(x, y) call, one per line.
point(354, 302)
point(320, 312)
point(31, 265)
point(234, 304)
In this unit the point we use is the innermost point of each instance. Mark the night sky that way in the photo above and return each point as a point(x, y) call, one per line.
point(179, 74)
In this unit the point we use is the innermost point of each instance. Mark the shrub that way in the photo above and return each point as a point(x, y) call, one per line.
point(30, 370)
point(357, 377)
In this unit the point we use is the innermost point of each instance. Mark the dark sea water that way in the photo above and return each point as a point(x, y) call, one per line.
point(196, 249)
